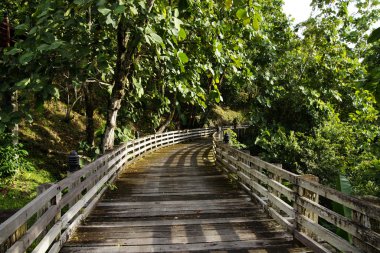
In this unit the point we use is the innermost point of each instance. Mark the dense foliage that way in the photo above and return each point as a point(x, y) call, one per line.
point(315, 113)
point(311, 90)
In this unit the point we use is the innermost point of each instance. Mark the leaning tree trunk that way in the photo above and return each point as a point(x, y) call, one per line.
point(90, 108)
point(168, 120)
point(127, 42)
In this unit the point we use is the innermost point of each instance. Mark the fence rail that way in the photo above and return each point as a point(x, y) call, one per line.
point(295, 202)
point(46, 222)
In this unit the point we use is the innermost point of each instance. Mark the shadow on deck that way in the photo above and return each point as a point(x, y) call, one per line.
point(175, 200)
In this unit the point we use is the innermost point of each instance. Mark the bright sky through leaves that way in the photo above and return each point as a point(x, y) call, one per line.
point(298, 9)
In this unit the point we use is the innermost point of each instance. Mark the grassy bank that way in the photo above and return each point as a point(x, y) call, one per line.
point(48, 141)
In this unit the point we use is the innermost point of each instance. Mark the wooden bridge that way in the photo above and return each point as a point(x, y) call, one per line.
point(158, 194)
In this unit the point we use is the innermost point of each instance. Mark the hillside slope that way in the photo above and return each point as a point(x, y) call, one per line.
point(48, 141)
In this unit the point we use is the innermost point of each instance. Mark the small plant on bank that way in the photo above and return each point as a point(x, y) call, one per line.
point(88, 152)
point(12, 157)
point(233, 139)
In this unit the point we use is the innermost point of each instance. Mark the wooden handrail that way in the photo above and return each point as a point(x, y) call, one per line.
point(46, 222)
point(293, 200)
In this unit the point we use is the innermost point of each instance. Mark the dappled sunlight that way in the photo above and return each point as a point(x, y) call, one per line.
point(176, 200)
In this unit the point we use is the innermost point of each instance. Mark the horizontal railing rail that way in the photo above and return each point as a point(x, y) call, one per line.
point(46, 222)
point(294, 201)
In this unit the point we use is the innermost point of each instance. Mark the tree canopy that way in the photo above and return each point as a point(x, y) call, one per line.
point(310, 90)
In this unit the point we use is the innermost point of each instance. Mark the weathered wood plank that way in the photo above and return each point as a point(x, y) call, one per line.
point(242, 227)
point(9, 226)
point(342, 222)
point(174, 222)
point(32, 233)
point(306, 240)
point(201, 202)
point(236, 245)
point(158, 238)
point(194, 208)
point(104, 166)
point(361, 206)
point(327, 235)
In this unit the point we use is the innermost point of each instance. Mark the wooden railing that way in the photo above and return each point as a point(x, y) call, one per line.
point(297, 202)
point(46, 223)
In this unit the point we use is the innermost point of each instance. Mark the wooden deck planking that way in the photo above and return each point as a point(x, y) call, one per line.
point(174, 200)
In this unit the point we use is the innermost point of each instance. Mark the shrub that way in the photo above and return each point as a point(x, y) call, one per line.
point(233, 139)
point(12, 157)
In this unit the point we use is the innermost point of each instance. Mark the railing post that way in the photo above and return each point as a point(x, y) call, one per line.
point(75, 182)
point(58, 216)
point(18, 234)
point(254, 167)
point(300, 210)
point(278, 179)
point(220, 131)
point(133, 149)
point(364, 221)
point(40, 189)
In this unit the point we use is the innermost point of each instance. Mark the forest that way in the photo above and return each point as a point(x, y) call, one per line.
point(87, 75)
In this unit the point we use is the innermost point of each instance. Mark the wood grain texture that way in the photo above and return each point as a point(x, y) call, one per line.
point(174, 200)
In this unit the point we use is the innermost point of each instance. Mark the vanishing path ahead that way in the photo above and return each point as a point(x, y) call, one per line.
point(175, 200)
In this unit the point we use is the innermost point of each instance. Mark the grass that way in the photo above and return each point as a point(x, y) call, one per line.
point(48, 140)
point(21, 189)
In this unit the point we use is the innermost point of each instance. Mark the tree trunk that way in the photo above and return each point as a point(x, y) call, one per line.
point(169, 119)
point(10, 100)
point(210, 104)
point(70, 107)
point(14, 129)
point(127, 42)
point(90, 108)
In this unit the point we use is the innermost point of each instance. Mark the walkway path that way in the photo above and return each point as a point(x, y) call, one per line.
point(174, 200)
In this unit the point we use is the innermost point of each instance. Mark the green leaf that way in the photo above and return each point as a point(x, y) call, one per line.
point(104, 10)
point(133, 10)
point(110, 21)
point(22, 27)
point(13, 51)
point(375, 35)
point(183, 57)
point(55, 92)
point(33, 30)
point(139, 88)
point(67, 13)
point(228, 4)
point(241, 13)
point(156, 38)
point(26, 58)
point(43, 47)
point(246, 21)
point(177, 23)
point(56, 44)
point(120, 9)
point(182, 35)
point(256, 21)
point(23, 83)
